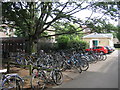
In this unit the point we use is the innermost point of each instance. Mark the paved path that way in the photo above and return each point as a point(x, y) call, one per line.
point(103, 74)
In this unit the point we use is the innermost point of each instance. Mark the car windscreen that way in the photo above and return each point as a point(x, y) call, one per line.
point(107, 48)
point(96, 47)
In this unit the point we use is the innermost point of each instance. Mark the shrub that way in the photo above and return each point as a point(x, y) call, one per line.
point(62, 42)
point(77, 44)
point(66, 42)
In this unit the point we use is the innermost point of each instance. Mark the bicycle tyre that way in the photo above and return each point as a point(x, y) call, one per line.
point(104, 57)
point(84, 64)
point(78, 67)
point(57, 77)
point(65, 66)
point(12, 82)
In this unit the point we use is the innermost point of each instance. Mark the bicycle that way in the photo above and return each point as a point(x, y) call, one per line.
point(81, 60)
point(10, 81)
point(43, 75)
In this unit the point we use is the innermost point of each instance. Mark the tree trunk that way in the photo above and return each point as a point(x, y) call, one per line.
point(31, 46)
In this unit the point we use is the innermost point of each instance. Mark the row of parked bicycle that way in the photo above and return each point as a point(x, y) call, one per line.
point(61, 59)
point(48, 67)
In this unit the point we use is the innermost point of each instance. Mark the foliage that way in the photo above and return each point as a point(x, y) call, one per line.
point(62, 42)
point(77, 44)
point(118, 33)
point(102, 27)
point(69, 42)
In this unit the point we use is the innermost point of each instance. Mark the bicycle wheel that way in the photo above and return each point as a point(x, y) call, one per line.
point(12, 82)
point(57, 77)
point(77, 66)
point(84, 64)
point(104, 57)
point(38, 80)
point(100, 57)
point(65, 66)
point(89, 59)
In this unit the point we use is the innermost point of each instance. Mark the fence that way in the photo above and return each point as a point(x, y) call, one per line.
point(16, 44)
point(12, 44)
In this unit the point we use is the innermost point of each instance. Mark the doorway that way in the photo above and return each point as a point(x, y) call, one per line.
point(95, 42)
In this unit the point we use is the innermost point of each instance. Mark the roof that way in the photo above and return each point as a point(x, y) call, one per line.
point(13, 39)
point(98, 35)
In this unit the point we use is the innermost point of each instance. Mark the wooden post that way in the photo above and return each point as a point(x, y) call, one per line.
point(30, 70)
point(8, 66)
point(30, 73)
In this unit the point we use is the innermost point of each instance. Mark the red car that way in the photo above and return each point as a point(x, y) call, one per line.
point(98, 49)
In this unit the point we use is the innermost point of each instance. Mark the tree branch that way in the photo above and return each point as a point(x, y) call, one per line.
point(79, 10)
point(72, 32)
point(49, 23)
point(89, 17)
point(22, 16)
point(74, 8)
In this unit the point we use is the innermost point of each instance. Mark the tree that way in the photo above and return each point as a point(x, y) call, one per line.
point(31, 19)
point(118, 33)
point(66, 27)
point(102, 27)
